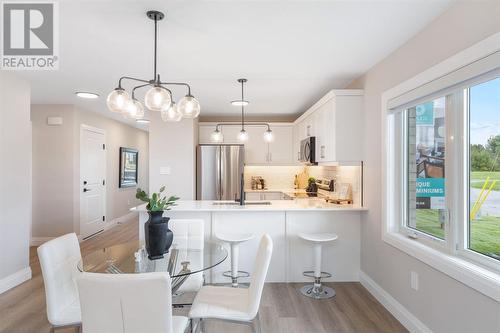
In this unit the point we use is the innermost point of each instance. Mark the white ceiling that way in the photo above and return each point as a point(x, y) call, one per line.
point(292, 52)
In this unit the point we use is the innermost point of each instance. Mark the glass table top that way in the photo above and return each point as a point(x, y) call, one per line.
point(131, 257)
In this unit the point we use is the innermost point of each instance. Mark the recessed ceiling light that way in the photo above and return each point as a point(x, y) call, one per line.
point(85, 94)
point(240, 102)
point(142, 121)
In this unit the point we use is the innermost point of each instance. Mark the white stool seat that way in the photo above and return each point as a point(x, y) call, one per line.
point(234, 238)
point(316, 290)
point(319, 238)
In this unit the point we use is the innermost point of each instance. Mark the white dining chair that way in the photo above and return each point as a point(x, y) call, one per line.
point(59, 258)
point(237, 305)
point(131, 303)
point(189, 234)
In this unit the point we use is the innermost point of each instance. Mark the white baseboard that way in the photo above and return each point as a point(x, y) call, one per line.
point(15, 279)
point(405, 317)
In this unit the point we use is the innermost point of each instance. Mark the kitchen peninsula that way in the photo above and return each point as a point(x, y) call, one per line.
point(283, 220)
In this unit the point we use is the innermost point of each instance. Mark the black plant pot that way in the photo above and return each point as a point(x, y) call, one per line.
point(157, 235)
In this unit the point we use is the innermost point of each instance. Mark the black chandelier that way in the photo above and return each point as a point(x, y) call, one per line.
point(158, 97)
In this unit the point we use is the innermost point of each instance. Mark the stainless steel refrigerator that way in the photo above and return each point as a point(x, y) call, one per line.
point(219, 172)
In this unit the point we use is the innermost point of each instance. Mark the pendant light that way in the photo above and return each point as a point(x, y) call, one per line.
point(158, 98)
point(218, 137)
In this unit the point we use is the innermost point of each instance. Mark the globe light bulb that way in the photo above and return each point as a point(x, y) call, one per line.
point(172, 114)
point(131, 109)
point(117, 100)
point(189, 107)
point(217, 136)
point(243, 136)
point(268, 136)
point(157, 99)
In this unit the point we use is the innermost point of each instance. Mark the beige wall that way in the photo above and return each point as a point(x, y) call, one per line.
point(173, 145)
point(56, 161)
point(15, 184)
point(442, 303)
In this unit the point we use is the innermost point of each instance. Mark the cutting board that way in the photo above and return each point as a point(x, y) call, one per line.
point(302, 179)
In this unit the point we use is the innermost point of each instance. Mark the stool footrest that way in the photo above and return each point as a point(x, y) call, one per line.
point(324, 275)
point(241, 274)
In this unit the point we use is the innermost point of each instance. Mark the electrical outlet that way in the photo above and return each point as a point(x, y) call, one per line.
point(414, 280)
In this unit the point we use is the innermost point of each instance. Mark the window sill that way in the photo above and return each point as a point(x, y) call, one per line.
point(481, 279)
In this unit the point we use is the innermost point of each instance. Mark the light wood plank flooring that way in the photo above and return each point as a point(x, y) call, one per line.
point(283, 309)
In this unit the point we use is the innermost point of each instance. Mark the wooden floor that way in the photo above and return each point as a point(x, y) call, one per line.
point(283, 309)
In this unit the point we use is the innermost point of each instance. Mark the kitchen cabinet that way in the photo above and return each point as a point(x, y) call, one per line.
point(257, 150)
point(280, 150)
point(257, 196)
point(335, 121)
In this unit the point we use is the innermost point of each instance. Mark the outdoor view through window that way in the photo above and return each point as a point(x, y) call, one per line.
point(484, 166)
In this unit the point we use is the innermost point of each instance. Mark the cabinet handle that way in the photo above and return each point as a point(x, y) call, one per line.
point(322, 151)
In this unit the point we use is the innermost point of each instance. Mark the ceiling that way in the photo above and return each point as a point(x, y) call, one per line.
point(291, 52)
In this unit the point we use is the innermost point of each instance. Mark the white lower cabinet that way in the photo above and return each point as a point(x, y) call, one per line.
point(255, 196)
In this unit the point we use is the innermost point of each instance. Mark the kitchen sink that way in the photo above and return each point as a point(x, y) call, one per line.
point(234, 203)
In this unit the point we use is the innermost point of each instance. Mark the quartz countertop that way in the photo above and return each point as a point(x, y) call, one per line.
point(311, 204)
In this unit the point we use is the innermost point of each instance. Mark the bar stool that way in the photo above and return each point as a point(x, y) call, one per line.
point(316, 290)
point(234, 241)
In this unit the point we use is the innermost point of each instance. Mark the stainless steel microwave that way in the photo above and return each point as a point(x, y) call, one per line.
point(307, 150)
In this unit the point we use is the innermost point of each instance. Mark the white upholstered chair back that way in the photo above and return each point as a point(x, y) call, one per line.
point(261, 266)
point(119, 303)
point(188, 233)
point(59, 258)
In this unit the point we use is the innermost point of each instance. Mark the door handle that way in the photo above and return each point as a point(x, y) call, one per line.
point(86, 190)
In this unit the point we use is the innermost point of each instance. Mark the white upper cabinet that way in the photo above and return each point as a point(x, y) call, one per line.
point(257, 150)
point(335, 121)
point(281, 149)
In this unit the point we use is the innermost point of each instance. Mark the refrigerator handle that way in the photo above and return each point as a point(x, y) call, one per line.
point(217, 173)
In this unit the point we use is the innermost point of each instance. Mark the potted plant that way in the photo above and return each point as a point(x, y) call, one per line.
point(156, 232)
point(312, 188)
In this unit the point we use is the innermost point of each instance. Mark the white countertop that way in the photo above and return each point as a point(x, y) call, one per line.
point(276, 205)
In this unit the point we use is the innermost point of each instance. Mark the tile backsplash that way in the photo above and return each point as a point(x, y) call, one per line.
point(282, 177)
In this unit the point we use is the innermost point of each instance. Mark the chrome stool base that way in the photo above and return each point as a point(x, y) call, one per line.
point(317, 292)
point(234, 280)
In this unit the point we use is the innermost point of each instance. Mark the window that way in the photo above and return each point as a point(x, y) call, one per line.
point(441, 171)
point(471, 112)
point(483, 223)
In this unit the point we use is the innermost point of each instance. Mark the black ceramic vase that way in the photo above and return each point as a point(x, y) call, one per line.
point(157, 235)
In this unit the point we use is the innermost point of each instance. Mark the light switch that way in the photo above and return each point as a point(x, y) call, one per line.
point(54, 121)
point(165, 170)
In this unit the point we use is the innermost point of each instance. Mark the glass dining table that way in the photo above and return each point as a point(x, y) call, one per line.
point(131, 257)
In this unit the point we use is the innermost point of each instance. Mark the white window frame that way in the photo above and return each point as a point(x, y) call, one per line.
point(462, 265)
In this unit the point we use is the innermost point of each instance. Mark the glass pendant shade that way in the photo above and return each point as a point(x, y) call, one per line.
point(189, 107)
point(172, 114)
point(243, 136)
point(268, 136)
point(117, 100)
point(217, 136)
point(135, 110)
point(157, 99)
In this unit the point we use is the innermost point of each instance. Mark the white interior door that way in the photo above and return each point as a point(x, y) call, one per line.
point(92, 181)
